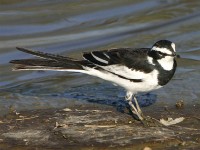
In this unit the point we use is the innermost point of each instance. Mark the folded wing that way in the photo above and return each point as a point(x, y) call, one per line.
point(128, 63)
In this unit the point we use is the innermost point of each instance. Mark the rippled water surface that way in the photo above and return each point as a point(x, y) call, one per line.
point(70, 27)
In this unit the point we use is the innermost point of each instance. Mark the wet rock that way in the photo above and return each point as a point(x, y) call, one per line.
point(94, 125)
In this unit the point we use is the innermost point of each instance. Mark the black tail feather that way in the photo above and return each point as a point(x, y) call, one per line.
point(47, 61)
point(44, 55)
point(44, 64)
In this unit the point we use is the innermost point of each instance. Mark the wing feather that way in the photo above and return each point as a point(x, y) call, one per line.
point(126, 62)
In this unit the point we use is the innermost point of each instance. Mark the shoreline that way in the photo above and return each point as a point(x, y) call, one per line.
point(91, 126)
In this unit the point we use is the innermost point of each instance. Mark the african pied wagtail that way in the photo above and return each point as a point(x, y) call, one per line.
point(135, 69)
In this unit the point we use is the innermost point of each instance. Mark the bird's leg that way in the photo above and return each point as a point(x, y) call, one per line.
point(137, 105)
point(147, 121)
point(135, 110)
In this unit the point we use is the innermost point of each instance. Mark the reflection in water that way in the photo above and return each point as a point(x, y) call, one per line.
point(69, 27)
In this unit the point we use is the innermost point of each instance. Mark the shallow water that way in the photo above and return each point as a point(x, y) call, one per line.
point(71, 27)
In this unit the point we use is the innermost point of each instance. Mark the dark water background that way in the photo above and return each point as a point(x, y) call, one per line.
point(69, 27)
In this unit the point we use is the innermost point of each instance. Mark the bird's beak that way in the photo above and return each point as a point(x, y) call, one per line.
point(176, 55)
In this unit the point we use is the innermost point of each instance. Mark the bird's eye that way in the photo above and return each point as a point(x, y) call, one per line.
point(160, 53)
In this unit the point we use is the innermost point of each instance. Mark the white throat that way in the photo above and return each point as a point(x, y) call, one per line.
point(167, 63)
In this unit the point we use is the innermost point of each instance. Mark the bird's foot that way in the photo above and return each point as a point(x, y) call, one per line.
point(147, 121)
point(138, 115)
point(137, 112)
point(151, 122)
point(135, 109)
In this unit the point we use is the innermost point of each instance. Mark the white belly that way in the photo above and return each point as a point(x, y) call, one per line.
point(149, 83)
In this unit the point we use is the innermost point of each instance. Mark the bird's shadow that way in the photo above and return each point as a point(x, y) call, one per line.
point(107, 94)
point(99, 93)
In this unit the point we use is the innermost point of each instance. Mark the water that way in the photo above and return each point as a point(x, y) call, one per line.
point(71, 27)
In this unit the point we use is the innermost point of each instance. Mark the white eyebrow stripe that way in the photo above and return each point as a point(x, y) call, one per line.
point(163, 50)
point(99, 59)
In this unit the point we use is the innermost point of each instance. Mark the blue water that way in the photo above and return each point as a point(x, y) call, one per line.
point(71, 27)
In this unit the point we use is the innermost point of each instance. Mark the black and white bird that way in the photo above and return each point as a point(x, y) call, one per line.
point(135, 69)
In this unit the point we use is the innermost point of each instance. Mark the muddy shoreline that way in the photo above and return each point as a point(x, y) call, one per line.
point(96, 126)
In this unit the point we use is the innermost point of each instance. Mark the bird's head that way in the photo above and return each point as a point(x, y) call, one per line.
point(164, 48)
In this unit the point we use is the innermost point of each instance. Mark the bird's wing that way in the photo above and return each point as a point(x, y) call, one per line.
point(126, 62)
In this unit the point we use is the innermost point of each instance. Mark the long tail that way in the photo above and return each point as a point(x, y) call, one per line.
point(47, 62)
